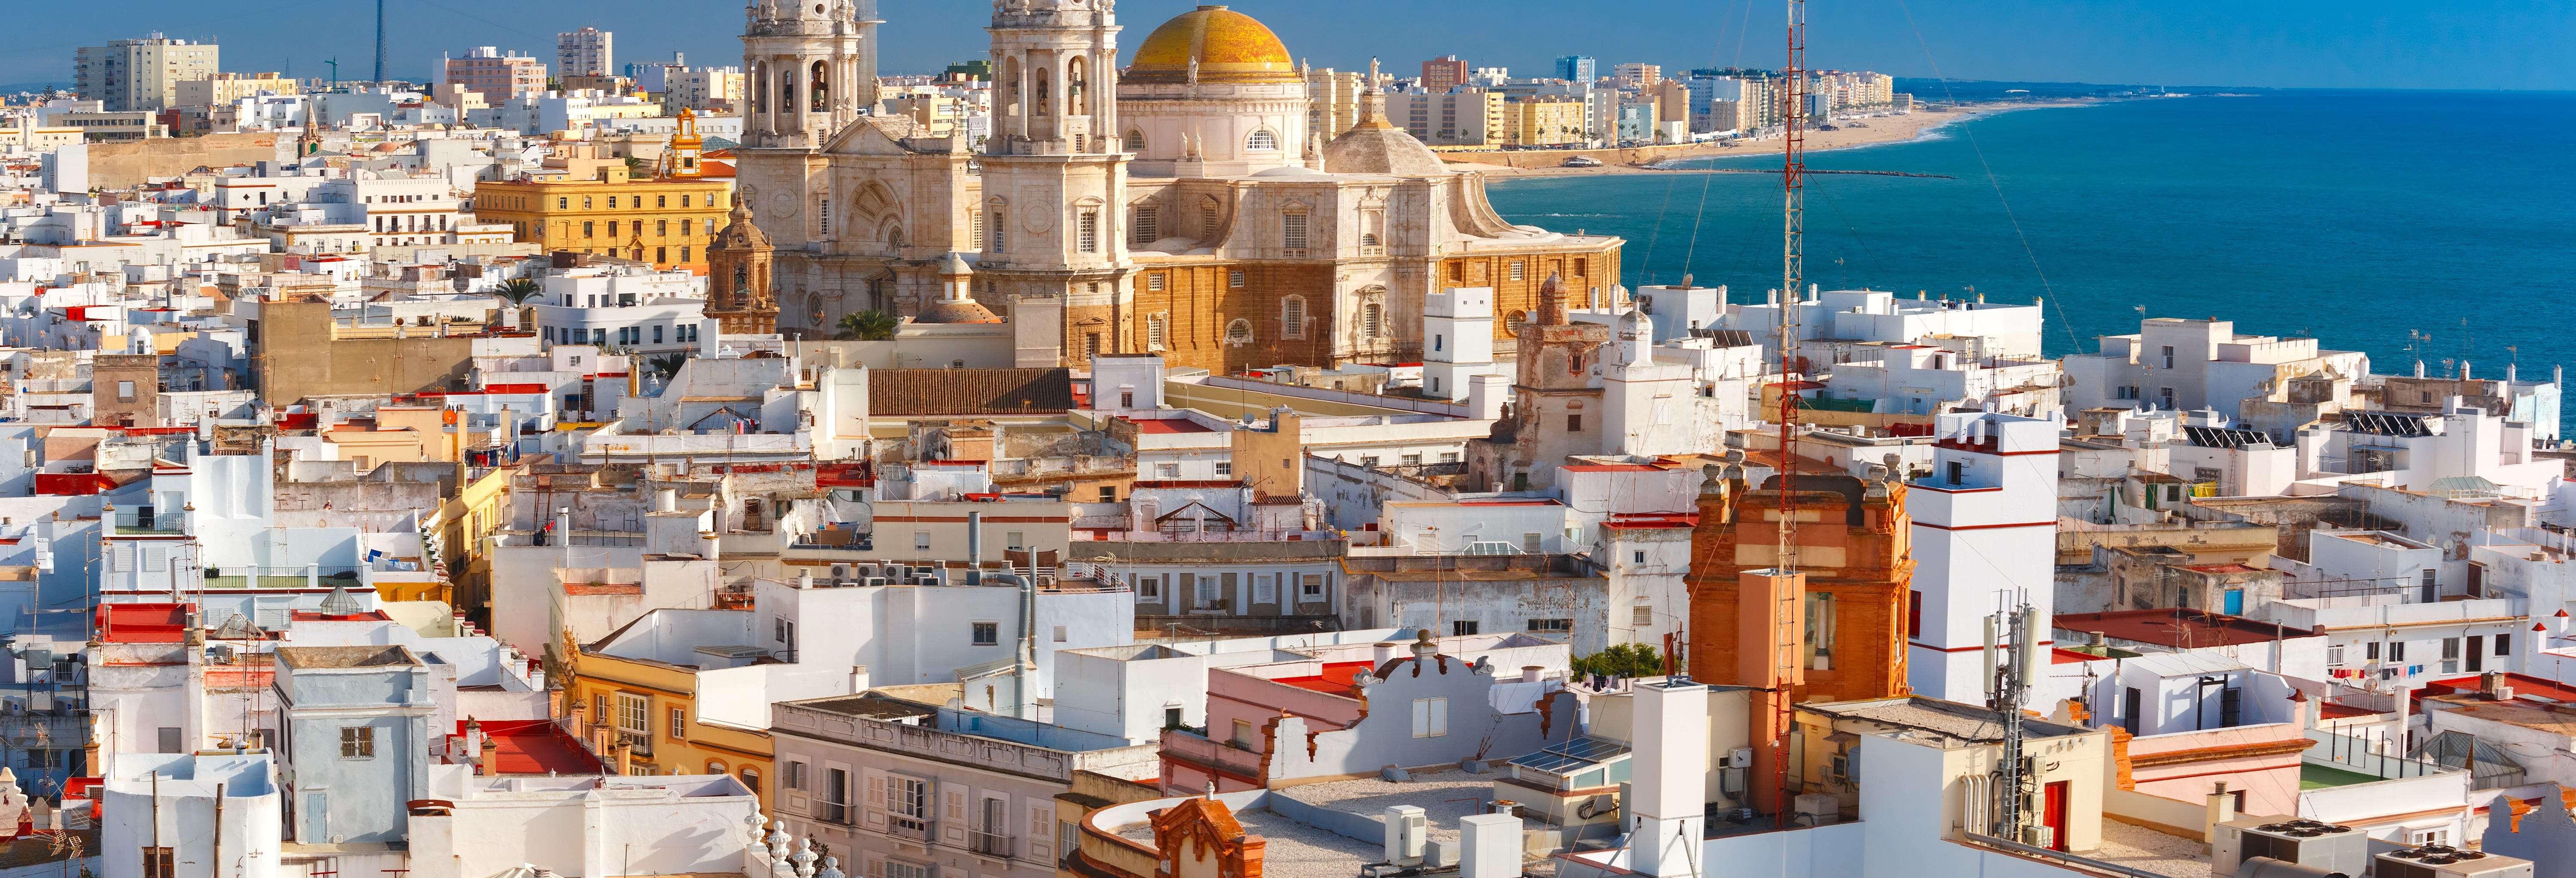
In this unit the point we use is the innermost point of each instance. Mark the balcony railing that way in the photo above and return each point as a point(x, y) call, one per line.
point(991, 844)
point(903, 826)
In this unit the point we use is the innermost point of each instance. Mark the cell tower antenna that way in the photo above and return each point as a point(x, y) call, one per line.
point(380, 42)
point(1792, 271)
point(2012, 667)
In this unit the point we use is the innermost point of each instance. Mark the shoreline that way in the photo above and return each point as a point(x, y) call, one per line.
point(1880, 131)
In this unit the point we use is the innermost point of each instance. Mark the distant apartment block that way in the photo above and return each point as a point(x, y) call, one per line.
point(584, 52)
point(701, 88)
point(1333, 101)
point(1546, 120)
point(1640, 75)
point(1443, 73)
point(496, 75)
point(225, 88)
point(1465, 117)
point(144, 74)
point(1577, 68)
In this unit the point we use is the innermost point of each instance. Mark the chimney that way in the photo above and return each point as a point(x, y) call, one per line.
point(487, 760)
point(1671, 760)
point(2218, 807)
point(1384, 652)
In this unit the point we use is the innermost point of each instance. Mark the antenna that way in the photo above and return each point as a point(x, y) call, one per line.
point(1784, 559)
point(2011, 663)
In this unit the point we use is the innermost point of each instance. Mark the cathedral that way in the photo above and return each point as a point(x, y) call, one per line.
point(1184, 204)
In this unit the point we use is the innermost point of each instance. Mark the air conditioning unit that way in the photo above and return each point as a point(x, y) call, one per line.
point(2445, 861)
point(2289, 840)
point(925, 580)
point(1406, 832)
point(2039, 836)
point(873, 582)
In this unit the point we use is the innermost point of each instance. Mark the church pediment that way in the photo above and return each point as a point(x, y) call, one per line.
point(873, 135)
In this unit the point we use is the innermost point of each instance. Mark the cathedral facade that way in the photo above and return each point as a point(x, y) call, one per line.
point(1176, 205)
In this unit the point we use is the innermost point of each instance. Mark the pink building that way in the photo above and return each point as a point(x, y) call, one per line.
point(1350, 711)
point(497, 76)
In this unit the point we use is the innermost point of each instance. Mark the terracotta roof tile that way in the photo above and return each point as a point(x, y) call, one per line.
point(935, 392)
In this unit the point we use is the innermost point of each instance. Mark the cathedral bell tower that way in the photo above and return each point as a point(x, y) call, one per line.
point(812, 67)
point(1054, 225)
point(738, 263)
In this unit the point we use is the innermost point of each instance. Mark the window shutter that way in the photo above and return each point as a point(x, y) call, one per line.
point(952, 822)
point(1439, 717)
point(875, 803)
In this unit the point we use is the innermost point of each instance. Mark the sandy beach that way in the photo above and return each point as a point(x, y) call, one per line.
point(1855, 133)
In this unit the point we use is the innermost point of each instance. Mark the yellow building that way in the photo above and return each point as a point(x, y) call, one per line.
point(652, 707)
point(1546, 120)
point(225, 88)
point(399, 434)
point(668, 221)
point(480, 506)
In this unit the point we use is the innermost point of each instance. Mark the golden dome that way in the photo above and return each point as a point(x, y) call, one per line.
point(1228, 46)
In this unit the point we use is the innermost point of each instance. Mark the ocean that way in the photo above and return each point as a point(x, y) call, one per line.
point(2407, 224)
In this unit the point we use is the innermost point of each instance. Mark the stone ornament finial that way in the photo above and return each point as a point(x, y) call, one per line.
point(779, 843)
point(803, 858)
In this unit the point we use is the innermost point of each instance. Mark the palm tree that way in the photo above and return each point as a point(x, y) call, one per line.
point(518, 290)
point(667, 364)
point(867, 326)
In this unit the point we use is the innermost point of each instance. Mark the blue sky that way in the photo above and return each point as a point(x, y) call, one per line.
point(2470, 44)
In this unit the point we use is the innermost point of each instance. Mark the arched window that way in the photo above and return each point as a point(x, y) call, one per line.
point(1038, 87)
point(1011, 79)
point(1292, 317)
point(1135, 141)
point(1074, 82)
point(822, 79)
point(715, 767)
point(894, 237)
point(1262, 140)
point(1238, 332)
point(751, 778)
